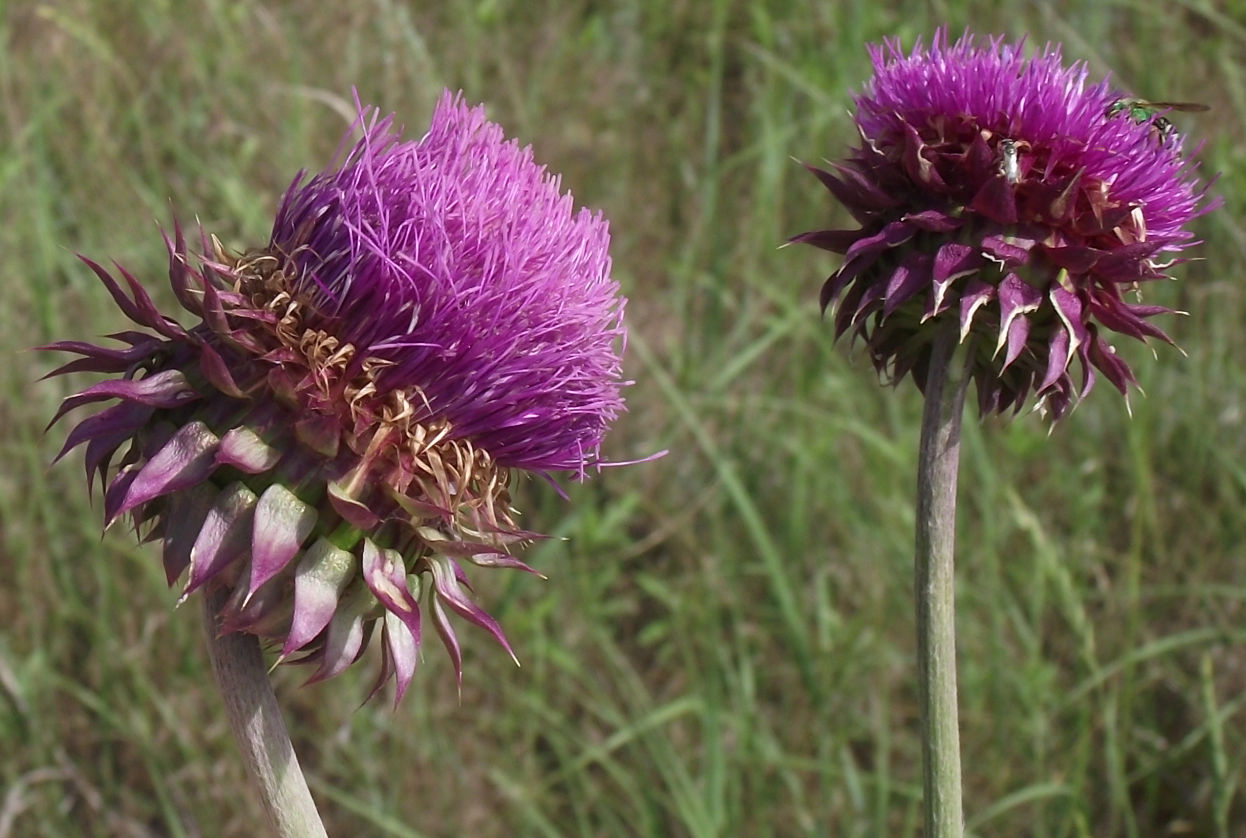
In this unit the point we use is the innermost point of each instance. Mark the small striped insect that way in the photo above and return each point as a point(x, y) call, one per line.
point(1009, 159)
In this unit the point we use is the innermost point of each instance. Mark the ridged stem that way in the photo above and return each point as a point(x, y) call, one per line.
point(934, 590)
point(256, 721)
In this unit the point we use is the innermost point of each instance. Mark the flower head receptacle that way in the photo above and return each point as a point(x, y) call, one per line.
point(334, 439)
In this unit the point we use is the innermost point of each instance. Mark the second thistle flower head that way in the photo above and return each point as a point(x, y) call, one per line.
point(1004, 197)
point(334, 439)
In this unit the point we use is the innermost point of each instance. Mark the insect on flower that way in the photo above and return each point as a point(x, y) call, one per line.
point(1009, 159)
point(996, 193)
point(1141, 111)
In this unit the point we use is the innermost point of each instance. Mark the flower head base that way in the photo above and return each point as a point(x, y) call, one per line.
point(1002, 196)
point(336, 437)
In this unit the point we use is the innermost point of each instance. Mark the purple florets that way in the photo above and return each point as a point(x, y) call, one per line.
point(459, 260)
point(1004, 197)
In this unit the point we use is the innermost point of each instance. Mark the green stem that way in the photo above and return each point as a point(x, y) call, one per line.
point(256, 721)
point(935, 590)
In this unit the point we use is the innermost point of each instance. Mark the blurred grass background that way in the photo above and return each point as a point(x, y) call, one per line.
point(724, 645)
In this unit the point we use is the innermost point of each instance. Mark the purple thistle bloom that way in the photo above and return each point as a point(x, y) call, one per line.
point(1003, 196)
point(335, 438)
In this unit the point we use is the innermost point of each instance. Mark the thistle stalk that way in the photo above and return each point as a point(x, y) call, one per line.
point(1004, 200)
point(934, 589)
point(256, 722)
point(331, 444)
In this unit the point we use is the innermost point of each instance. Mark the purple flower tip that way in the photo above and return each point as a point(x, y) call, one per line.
point(1001, 195)
point(457, 261)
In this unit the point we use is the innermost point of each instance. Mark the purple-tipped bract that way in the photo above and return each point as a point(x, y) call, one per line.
point(334, 439)
point(1005, 197)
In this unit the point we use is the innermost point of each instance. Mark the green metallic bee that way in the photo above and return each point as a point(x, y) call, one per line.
point(1141, 111)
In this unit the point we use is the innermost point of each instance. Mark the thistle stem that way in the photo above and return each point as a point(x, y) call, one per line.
point(257, 724)
point(934, 590)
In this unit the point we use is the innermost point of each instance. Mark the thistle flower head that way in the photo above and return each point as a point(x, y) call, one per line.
point(334, 438)
point(1003, 196)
